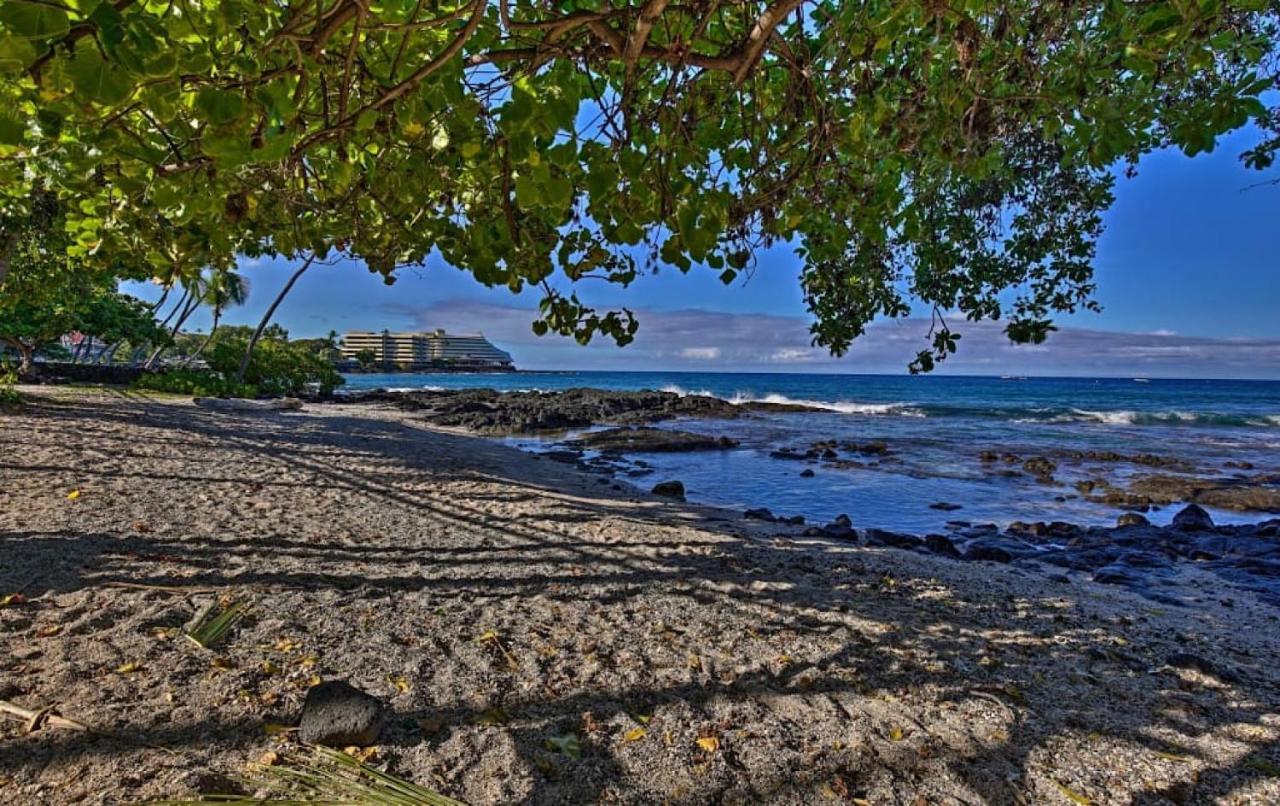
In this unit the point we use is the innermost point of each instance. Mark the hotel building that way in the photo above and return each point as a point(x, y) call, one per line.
point(433, 350)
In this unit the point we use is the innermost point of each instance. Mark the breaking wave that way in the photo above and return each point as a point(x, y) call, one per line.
point(1030, 414)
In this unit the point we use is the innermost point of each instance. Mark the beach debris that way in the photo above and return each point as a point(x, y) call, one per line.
point(669, 489)
point(37, 719)
point(399, 683)
point(1192, 518)
point(567, 744)
point(708, 744)
point(209, 631)
point(323, 776)
point(12, 599)
point(337, 714)
point(492, 717)
point(491, 637)
point(1072, 795)
point(73, 495)
point(635, 734)
point(129, 667)
point(1261, 765)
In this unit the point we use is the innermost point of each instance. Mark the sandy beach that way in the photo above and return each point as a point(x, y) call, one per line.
point(499, 603)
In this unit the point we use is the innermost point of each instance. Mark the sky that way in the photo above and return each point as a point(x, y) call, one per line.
point(1188, 275)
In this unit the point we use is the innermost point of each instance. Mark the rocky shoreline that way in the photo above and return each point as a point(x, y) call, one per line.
point(1134, 553)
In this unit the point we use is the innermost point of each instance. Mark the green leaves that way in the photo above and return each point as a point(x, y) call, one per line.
point(97, 81)
point(34, 20)
point(219, 107)
point(956, 161)
point(16, 53)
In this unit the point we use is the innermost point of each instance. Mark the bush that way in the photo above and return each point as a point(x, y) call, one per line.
point(194, 382)
point(277, 367)
point(9, 395)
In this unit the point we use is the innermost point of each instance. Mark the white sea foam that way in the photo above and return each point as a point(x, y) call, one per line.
point(841, 406)
point(1118, 417)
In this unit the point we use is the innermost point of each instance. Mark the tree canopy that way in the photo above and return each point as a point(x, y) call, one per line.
point(46, 293)
point(955, 157)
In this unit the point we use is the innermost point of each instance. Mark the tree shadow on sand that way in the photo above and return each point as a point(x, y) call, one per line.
point(821, 669)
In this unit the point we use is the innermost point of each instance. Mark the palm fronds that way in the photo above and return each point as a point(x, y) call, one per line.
point(327, 777)
point(212, 630)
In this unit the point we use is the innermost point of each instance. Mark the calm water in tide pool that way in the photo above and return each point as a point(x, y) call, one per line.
point(936, 427)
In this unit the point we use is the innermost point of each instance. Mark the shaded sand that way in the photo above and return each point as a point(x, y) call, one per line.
point(496, 600)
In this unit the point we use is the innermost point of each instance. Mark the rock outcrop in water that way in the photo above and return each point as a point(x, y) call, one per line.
point(640, 439)
point(493, 413)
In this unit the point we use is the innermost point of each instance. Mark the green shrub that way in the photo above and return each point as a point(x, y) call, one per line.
point(194, 382)
point(277, 367)
point(9, 395)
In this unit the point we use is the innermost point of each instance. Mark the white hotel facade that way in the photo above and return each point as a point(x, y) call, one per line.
point(433, 349)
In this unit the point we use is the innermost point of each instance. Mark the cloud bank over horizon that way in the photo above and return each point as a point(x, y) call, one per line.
point(707, 341)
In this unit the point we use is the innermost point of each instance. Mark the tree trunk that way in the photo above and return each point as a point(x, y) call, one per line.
point(83, 349)
point(108, 354)
point(155, 306)
point(192, 304)
point(217, 315)
point(182, 301)
point(266, 318)
point(25, 357)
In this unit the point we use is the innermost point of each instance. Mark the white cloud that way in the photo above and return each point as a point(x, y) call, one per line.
point(712, 340)
point(700, 353)
point(793, 354)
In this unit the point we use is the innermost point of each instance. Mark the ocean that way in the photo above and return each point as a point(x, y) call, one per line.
point(936, 428)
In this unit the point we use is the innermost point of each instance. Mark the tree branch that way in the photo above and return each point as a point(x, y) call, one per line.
point(753, 47)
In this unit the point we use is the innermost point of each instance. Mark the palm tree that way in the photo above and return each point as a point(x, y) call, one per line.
point(194, 286)
point(226, 289)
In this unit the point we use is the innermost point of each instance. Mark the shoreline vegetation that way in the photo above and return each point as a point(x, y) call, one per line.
point(539, 636)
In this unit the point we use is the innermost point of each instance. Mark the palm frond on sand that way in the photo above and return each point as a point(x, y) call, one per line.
point(211, 630)
point(327, 777)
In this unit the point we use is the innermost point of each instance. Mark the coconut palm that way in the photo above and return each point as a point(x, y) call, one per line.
point(225, 289)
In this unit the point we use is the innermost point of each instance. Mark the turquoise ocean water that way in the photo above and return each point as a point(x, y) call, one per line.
point(936, 427)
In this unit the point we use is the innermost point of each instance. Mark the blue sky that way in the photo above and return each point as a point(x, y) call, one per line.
point(1188, 276)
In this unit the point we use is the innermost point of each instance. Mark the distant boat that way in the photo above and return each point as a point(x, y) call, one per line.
point(1142, 380)
point(1013, 377)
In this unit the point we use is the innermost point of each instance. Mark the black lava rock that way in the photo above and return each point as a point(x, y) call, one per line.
point(1132, 519)
point(1192, 518)
point(880, 537)
point(761, 514)
point(338, 714)
point(669, 489)
point(807, 473)
point(941, 544)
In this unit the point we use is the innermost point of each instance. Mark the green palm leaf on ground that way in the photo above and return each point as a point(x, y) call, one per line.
point(327, 777)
